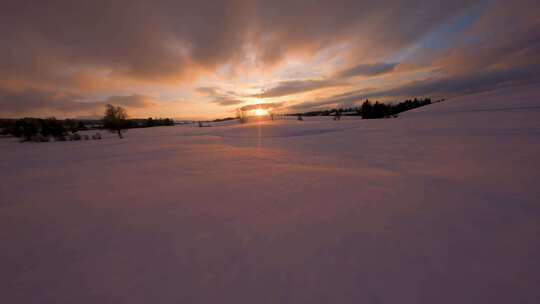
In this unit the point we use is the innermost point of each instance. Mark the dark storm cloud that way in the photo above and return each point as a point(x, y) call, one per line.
point(367, 70)
point(298, 86)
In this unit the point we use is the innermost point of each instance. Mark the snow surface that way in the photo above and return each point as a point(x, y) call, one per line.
point(440, 205)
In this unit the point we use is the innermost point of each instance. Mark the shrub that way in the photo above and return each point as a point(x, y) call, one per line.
point(40, 138)
point(52, 127)
point(75, 136)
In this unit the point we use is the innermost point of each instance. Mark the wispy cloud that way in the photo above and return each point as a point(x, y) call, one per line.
point(445, 86)
point(132, 101)
point(29, 101)
point(285, 88)
point(265, 106)
point(367, 70)
point(219, 97)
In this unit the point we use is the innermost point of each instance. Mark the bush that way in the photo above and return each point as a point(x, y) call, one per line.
point(154, 122)
point(40, 138)
point(52, 127)
point(75, 136)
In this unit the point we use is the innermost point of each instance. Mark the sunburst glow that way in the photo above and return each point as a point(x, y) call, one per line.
point(260, 112)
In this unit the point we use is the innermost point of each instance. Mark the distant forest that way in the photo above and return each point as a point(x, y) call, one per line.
point(371, 110)
point(42, 129)
point(39, 129)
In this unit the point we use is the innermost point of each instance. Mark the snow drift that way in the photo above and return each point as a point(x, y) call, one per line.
point(440, 205)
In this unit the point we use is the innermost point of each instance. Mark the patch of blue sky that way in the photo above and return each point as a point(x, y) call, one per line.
point(444, 36)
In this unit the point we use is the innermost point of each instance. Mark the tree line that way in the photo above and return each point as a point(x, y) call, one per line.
point(43, 129)
point(40, 129)
point(371, 110)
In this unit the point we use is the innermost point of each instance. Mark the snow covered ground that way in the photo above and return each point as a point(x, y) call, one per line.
point(441, 205)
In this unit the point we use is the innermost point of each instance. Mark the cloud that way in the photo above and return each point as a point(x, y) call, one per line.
point(207, 90)
point(446, 86)
point(227, 101)
point(228, 98)
point(132, 101)
point(367, 70)
point(172, 40)
point(264, 106)
point(30, 100)
point(33, 101)
point(463, 84)
point(65, 52)
point(298, 86)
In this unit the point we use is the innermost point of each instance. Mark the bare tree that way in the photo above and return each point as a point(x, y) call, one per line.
point(115, 119)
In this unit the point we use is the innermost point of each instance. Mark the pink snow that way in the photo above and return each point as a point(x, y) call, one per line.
point(440, 205)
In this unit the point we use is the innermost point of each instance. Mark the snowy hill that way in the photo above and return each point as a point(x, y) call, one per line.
point(440, 205)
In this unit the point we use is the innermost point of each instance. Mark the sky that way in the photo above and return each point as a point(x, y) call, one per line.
point(205, 59)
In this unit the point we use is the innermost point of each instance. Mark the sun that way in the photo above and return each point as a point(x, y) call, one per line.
point(261, 112)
